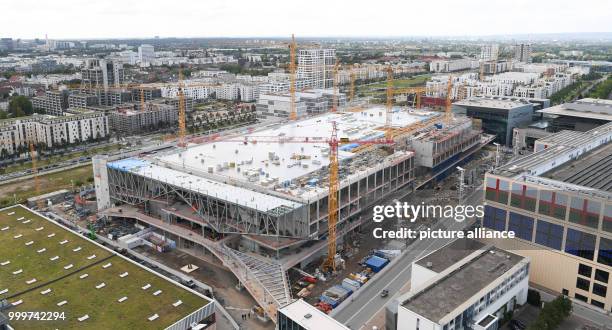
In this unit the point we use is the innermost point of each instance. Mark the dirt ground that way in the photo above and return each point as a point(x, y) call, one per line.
point(219, 278)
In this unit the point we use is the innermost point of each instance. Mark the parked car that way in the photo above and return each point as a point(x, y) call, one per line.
point(384, 293)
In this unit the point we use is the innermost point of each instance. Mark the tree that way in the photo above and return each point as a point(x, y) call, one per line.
point(20, 106)
point(3, 114)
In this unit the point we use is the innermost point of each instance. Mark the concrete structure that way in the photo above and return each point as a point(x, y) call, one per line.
point(499, 116)
point(82, 100)
point(300, 315)
point(267, 199)
point(53, 103)
point(99, 76)
point(522, 53)
point(558, 202)
point(279, 105)
point(581, 115)
point(464, 285)
point(452, 65)
point(75, 126)
point(316, 66)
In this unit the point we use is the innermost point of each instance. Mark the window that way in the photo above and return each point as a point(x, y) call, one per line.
point(601, 276)
point(584, 212)
point(583, 284)
point(497, 190)
point(580, 244)
point(607, 218)
point(549, 234)
point(581, 297)
point(494, 218)
point(597, 303)
point(585, 270)
point(522, 226)
point(552, 204)
point(600, 290)
point(605, 252)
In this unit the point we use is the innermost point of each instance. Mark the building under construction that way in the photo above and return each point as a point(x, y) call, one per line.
point(258, 201)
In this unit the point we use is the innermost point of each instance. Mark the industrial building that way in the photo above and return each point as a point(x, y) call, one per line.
point(499, 116)
point(464, 285)
point(580, 115)
point(260, 200)
point(558, 202)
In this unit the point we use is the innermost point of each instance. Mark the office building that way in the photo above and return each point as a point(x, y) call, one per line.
point(522, 53)
point(558, 202)
point(580, 115)
point(316, 66)
point(499, 116)
point(279, 105)
point(464, 285)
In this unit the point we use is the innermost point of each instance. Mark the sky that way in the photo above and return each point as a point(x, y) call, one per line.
point(98, 19)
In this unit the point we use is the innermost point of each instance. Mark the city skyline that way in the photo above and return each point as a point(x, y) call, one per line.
point(130, 19)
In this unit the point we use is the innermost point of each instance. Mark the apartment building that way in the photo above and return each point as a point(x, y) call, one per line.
point(489, 52)
point(452, 65)
point(558, 202)
point(99, 76)
point(146, 55)
point(74, 126)
point(522, 53)
point(316, 66)
point(128, 120)
point(82, 100)
point(464, 285)
point(52, 103)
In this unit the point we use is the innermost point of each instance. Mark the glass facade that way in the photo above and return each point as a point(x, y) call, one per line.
point(494, 218)
point(552, 204)
point(549, 234)
point(522, 226)
point(497, 190)
point(580, 244)
point(584, 212)
point(285, 323)
point(604, 255)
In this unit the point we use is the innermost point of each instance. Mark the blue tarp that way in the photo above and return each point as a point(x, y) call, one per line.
point(127, 164)
point(376, 263)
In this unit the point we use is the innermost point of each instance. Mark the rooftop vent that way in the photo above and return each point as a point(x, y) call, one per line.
point(308, 316)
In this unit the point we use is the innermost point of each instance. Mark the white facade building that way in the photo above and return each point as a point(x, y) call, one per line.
point(489, 52)
point(452, 65)
point(316, 66)
point(146, 54)
point(464, 285)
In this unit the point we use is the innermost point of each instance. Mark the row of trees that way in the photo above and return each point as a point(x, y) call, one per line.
point(553, 314)
point(603, 90)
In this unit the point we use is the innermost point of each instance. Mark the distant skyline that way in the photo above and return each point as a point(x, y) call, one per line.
point(100, 19)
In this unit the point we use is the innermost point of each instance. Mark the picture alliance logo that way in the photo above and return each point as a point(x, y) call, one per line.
point(412, 212)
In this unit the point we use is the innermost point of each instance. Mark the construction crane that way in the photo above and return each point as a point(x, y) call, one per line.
point(334, 182)
point(292, 49)
point(389, 114)
point(449, 89)
point(40, 202)
point(181, 109)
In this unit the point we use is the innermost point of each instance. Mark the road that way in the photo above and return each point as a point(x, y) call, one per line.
point(369, 303)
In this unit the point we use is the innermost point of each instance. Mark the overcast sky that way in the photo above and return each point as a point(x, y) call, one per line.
point(62, 19)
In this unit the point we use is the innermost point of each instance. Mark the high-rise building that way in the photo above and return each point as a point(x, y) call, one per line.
point(146, 54)
point(316, 66)
point(522, 53)
point(99, 76)
point(489, 52)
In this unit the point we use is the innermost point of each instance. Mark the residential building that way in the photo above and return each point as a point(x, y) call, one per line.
point(300, 315)
point(316, 66)
point(452, 65)
point(128, 120)
point(82, 100)
point(522, 53)
point(489, 52)
point(98, 77)
point(146, 54)
point(558, 202)
point(499, 116)
point(52, 103)
point(75, 126)
point(464, 285)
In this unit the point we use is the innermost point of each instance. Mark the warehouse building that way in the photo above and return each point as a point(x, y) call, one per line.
point(581, 115)
point(558, 202)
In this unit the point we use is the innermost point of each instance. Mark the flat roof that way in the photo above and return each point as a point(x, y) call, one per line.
point(597, 109)
point(450, 254)
point(310, 317)
point(592, 170)
point(443, 296)
point(496, 103)
point(46, 267)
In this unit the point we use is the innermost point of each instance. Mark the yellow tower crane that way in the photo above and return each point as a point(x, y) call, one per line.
point(389, 107)
point(292, 49)
point(181, 109)
point(449, 90)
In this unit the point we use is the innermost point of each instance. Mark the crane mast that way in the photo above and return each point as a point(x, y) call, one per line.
point(388, 133)
point(181, 109)
point(332, 218)
point(449, 89)
point(292, 47)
